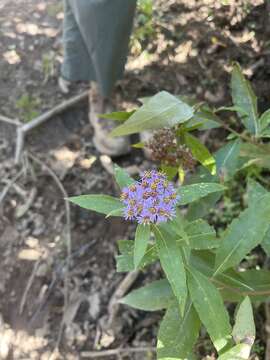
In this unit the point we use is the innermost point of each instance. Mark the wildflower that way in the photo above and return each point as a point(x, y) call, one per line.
point(151, 200)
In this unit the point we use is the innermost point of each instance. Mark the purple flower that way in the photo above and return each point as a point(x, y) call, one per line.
point(151, 200)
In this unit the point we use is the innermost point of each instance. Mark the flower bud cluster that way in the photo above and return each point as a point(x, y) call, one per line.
point(164, 148)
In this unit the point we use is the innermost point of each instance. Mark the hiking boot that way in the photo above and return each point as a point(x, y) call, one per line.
point(112, 146)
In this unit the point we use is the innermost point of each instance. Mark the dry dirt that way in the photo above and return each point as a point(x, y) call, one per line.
point(190, 53)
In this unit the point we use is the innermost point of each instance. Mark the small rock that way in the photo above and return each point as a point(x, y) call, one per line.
point(32, 242)
point(29, 254)
point(94, 305)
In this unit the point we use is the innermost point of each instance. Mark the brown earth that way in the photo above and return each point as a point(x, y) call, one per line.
point(190, 52)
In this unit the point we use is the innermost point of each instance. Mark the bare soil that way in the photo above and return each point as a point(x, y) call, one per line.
point(190, 53)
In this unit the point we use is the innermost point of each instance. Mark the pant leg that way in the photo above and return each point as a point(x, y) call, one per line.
point(105, 27)
point(77, 64)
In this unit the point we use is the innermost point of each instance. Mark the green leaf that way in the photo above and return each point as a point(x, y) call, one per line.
point(232, 108)
point(172, 263)
point(125, 261)
point(203, 119)
point(161, 110)
point(210, 308)
point(264, 120)
point(142, 236)
point(257, 154)
point(118, 115)
point(125, 246)
point(201, 207)
point(201, 235)
point(193, 192)
point(155, 296)
point(138, 145)
point(259, 281)
point(170, 171)
point(243, 234)
point(177, 334)
point(244, 98)
point(238, 352)
point(104, 204)
point(255, 192)
point(200, 152)
point(266, 242)
point(265, 133)
point(233, 285)
point(244, 327)
point(227, 159)
point(122, 177)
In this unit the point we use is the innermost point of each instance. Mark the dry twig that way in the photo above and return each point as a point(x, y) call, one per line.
point(9, 121)
point(22, 130)
point(116, 352)
point(10, 184)
point(121, 290)
point(28, 286)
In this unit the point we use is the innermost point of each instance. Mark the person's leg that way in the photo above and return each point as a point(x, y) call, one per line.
point(105, 26)
point(77, 64)
point(96, 37)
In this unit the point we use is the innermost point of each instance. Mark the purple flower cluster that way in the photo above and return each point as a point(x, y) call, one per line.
point(151, 200)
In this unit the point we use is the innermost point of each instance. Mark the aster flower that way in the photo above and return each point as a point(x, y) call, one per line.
point(151, 200)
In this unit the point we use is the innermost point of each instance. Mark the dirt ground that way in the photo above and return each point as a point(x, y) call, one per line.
point(190, 52)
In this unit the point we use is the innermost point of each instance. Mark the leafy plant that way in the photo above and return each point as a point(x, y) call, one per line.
point(144, 29)
point(28, 107)
point(202, 269)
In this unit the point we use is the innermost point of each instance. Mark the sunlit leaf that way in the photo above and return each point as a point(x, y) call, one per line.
point(103, 204)
point(200, 152)
point(244, 327)
point(161, 110)
point(118, 115)
point(238, 352)
point(157, 295)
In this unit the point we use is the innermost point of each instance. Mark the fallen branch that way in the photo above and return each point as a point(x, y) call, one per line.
point(9, 121)
point(121, 290)
point(28, 286)
point(22, 130)
point(116, 352)
point(10, 184)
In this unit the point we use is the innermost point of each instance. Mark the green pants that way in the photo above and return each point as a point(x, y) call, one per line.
point(96, 37)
